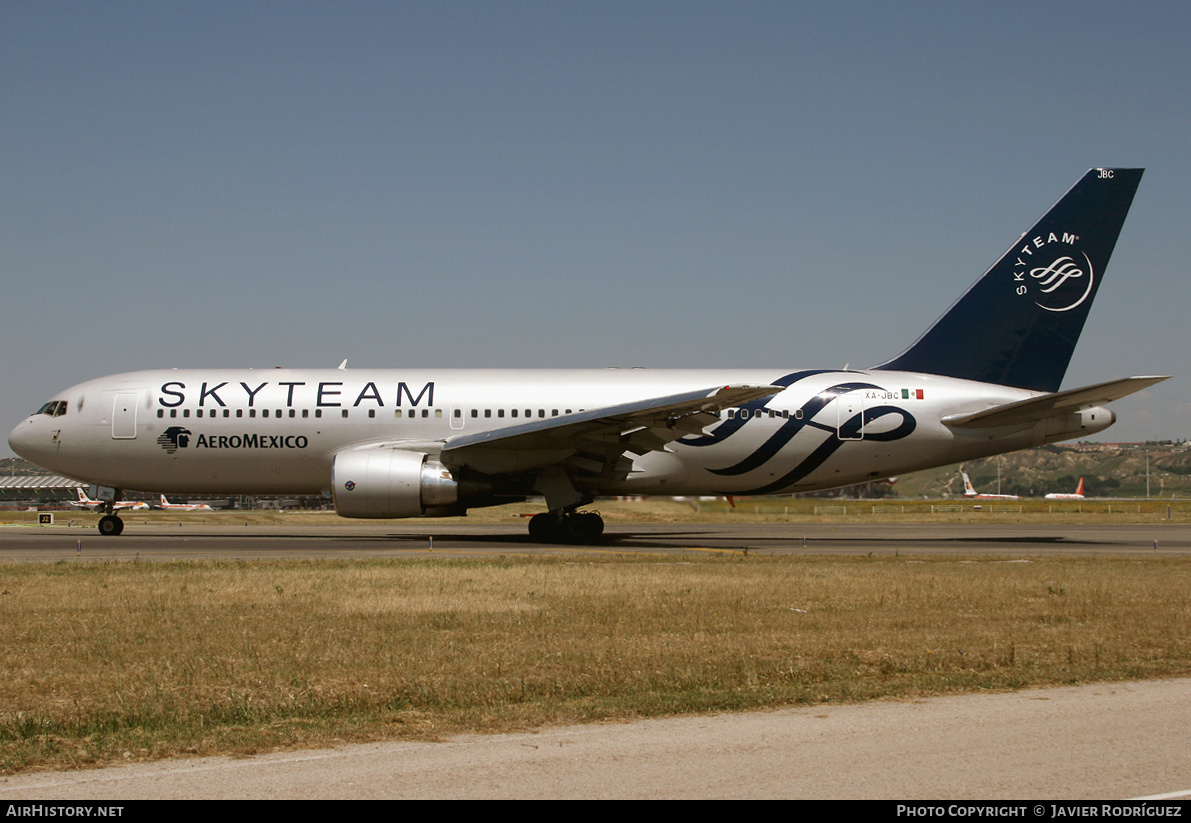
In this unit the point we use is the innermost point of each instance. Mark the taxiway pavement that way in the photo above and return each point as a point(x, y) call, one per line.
point(189, 541)
point(1105, 741)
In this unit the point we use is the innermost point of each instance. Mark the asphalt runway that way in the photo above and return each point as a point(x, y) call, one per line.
point(192, 542)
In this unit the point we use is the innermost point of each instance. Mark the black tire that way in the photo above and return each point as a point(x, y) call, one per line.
point(595, 526)
point(583, 527)
point(110, 525)
point(543, 528)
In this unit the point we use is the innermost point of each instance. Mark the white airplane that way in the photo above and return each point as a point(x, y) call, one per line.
point(970, 491)
point(388, 443)
point(183, 507)
point(85, 502)
point(1078, 495)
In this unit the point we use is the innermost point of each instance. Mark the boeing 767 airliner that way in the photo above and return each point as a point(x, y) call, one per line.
point(386, 443)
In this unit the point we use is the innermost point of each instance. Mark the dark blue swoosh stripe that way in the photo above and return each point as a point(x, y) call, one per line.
point(791, 427)
point(829, 446)
point(729, 427)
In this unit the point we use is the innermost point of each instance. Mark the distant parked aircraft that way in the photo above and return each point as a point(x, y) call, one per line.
point(184, 507)
point(971, 492)
point(1060, 496)
point(85, 502)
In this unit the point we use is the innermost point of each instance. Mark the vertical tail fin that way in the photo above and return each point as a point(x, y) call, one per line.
point(969, 491)
point(1079, 488)
point(1018, 325)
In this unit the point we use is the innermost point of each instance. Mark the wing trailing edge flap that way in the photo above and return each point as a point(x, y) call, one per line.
point(1051, 405)
point(599, 436)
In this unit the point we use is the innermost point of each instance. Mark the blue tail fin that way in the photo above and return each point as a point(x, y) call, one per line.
point(1018, 325)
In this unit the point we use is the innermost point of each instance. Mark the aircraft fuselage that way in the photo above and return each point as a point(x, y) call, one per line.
point(277, 431)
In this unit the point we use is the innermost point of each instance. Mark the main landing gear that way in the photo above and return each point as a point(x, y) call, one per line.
point(566, 527)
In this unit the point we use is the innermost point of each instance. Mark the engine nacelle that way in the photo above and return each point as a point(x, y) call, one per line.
point(383, 482)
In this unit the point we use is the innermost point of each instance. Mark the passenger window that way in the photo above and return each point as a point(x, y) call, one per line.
point(239, 412)
point(500, 412)
point(161, 412)
point(186, 412)
point(252, 412)
point(264, 412)
point(343, 413)
point(397, 412)
point(372, 412)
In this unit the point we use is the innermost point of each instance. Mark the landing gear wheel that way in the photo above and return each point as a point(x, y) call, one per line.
point(571, 527)
point(583, 527)
point(110, 525)
point(543, 527)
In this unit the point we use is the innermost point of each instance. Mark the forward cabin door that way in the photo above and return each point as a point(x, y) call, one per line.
point(124, 416)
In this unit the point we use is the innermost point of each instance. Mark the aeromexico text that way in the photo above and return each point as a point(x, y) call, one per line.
point(324, 394)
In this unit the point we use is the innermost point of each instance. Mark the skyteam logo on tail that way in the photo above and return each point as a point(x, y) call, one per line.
point(1058, 277)
point(174, 438)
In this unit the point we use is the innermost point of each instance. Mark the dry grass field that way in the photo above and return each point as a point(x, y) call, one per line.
point(124, 661)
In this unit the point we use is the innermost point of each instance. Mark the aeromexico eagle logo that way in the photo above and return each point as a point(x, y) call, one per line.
point(1053, 272)
point(174, 438)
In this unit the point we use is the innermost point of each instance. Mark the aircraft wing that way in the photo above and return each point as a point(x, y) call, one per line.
point(603, 434)
point(1050, 405)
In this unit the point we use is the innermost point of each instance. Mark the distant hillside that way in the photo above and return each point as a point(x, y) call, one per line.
point(10, 466)
point(1109, 470)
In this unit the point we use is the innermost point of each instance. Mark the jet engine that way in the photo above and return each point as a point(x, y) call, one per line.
point(387, 482)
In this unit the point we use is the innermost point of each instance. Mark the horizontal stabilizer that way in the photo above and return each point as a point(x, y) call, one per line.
point(1049, 405)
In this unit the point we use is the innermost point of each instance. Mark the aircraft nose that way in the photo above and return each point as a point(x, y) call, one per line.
point(20, 439)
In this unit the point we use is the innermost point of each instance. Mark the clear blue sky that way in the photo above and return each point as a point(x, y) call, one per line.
point(570, 184)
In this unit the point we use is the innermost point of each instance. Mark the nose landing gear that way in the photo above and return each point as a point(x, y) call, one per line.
point(110, 525)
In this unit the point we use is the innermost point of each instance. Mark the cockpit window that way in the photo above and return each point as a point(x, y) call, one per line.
point(55, 408)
